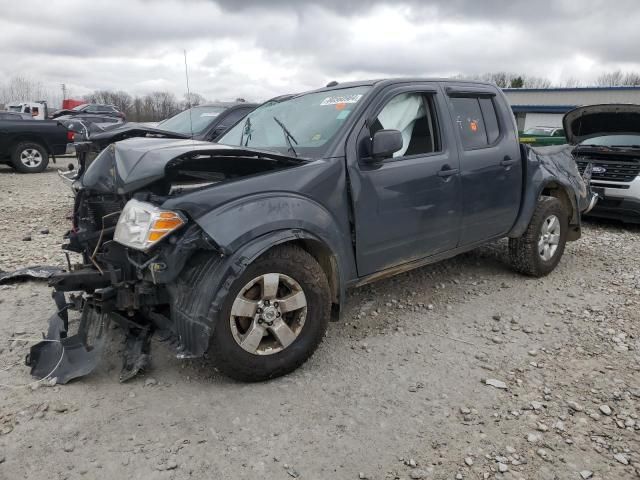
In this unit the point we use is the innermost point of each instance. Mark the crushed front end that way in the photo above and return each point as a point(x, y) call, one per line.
point(132, 254)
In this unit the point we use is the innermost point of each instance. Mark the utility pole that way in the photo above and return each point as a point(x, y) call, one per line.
point(64, 91)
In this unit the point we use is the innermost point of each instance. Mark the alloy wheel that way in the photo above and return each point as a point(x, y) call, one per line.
point(31, 157)
point(268, 314)
point(549, 237)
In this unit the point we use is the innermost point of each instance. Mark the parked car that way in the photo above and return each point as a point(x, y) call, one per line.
point(543, 136)
point(207, 122)
point(608, 138)
point(243, 249)
point(204, 122)
point(91, 108)
point(28, 145)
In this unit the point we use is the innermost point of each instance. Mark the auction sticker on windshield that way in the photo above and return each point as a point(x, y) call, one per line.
point(340, 99)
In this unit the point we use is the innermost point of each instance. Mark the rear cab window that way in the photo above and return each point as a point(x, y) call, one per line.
point(476, 121)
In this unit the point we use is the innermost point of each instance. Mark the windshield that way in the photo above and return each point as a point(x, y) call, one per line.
point(301, 125)
point(201, 118)
point(538, 131)
point(613, 141)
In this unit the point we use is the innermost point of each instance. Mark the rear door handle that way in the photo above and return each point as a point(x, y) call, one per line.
point(507, 161)
point(447, 172)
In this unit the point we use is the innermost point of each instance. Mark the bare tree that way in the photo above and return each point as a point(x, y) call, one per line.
point(192, 100)
point(119, 98)
point(610, 79)
point(510, 80)
point(21, 88)
point(536, 82)
point(572, 82)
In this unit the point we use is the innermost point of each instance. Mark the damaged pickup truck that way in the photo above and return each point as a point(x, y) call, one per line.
point(244, 249)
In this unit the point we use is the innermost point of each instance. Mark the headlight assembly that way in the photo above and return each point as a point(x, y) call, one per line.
point(141, 225)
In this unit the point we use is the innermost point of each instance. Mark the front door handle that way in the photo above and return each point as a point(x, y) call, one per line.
point(507, 161)
point(447, 171)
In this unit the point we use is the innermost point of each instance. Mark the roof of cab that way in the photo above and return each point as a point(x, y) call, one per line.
point(383, 82)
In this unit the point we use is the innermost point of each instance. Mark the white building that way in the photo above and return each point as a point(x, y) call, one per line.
point(544, 107)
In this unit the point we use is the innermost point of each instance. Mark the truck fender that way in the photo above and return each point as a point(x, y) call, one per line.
point(545, 176)
point(554, 189)
point(196, 324)
point(235, 223)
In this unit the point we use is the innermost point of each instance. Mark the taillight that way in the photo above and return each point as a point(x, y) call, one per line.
point(71, 135)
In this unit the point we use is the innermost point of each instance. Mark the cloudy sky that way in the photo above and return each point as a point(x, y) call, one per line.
point(257, 49)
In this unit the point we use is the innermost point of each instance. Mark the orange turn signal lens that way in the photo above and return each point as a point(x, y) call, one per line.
point(166, 223)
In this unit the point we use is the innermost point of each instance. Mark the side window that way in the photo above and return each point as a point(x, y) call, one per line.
point(413, 114)
point(91, 109)
point(490, 119)
point(559, 133)
point(468, 118)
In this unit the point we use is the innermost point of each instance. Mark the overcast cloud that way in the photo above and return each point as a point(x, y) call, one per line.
point(257, 49)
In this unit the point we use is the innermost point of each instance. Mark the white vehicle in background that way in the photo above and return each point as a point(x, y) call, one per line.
point(37, 110)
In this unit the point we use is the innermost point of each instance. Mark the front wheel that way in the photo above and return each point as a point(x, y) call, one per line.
point(539, 250)
point(29, 157)
point(274, 317)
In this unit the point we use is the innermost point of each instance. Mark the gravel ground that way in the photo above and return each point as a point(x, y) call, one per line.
point(461, 370)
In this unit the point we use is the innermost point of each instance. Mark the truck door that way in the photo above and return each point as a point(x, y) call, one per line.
point(490, 163)
point(406, 207)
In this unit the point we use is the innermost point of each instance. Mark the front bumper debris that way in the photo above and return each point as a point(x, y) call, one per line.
point(62, 357)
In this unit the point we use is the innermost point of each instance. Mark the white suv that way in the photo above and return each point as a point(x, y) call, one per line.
point(608, 137)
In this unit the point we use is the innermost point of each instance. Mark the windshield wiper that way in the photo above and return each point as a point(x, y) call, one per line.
point(287, 136)
point(625, 146)
point(246, 130)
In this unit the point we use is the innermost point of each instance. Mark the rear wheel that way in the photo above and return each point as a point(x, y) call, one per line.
point(274, 317)
point(29, 157)
point(539, 250)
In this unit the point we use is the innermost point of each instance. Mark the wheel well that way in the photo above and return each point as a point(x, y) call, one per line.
point(558, 191)
point(28, 138)
point(327, 260)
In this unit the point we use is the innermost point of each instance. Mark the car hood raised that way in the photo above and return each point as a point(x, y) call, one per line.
point(130, 165)
point(591, 121)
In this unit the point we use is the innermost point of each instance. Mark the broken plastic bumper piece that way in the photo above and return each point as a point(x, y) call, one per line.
point(62, 357)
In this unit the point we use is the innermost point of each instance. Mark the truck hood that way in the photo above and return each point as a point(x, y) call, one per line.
point(127, 166)
point(591, 121)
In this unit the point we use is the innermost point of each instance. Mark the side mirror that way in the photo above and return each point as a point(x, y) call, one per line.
point(385, 143)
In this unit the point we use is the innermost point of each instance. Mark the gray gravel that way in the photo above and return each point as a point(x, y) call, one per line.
point(411, 384)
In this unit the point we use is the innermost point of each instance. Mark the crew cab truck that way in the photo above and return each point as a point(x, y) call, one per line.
point(245, 248)
point(27, 145)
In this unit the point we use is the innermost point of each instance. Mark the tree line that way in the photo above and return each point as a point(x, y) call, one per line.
point(151, 107)
point(158, 105)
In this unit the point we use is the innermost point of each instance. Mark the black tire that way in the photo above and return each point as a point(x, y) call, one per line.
point(524, 251)
point(232, 360)
point(21, 149)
